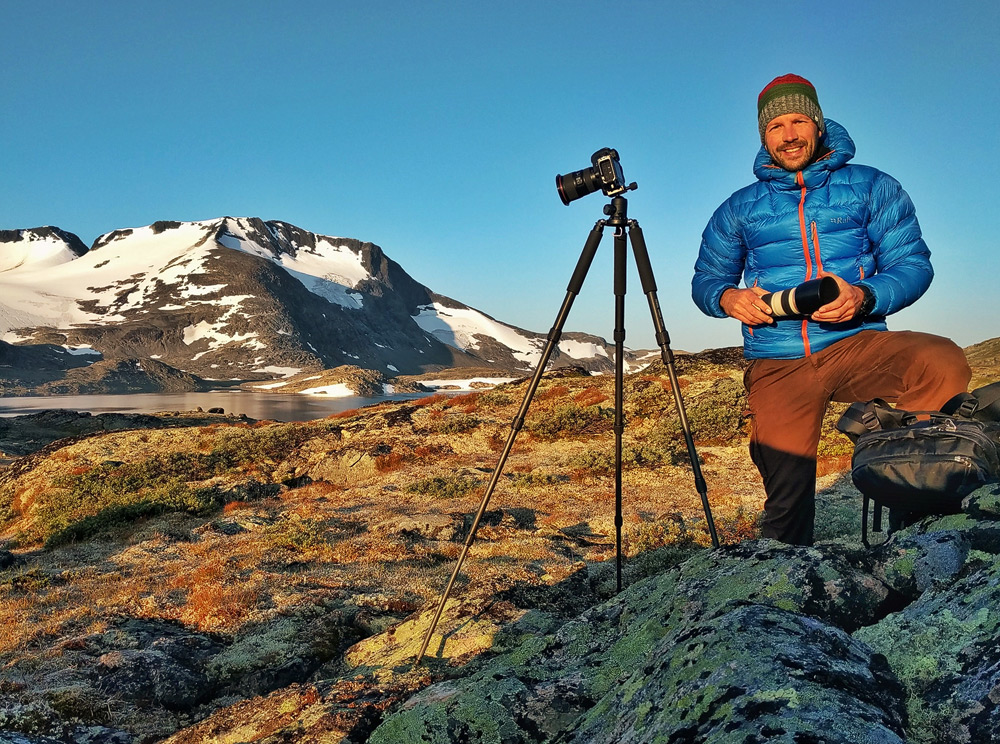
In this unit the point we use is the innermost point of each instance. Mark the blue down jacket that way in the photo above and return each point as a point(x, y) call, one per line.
point(844, 219)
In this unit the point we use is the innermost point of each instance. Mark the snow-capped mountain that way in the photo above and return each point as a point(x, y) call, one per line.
point(241, 298)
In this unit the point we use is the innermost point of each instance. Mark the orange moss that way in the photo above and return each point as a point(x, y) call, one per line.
point(344, 414)
point(430, 400)
point(388, 463)
point(832, 464)
point(468, 403)
point(556, 391)
point(590, 397)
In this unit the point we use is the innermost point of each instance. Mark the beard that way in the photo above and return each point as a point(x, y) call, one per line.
point(802, 154)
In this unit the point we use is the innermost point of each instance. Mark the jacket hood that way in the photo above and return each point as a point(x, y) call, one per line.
point(835, 139)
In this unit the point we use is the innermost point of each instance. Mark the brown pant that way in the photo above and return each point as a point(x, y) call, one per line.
point(788, 398)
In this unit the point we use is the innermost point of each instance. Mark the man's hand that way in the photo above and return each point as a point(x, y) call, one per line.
point(842, 309)
point(745, 305)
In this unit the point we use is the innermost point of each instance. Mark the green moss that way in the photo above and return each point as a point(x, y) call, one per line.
point(268, 646)
point(952, 522)
point(784, 594)
point(788, 697)
point(905, 564)
point(483, 717)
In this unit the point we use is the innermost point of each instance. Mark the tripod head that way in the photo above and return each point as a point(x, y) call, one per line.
point(617, 210)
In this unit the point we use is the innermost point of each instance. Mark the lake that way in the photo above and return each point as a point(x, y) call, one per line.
point(255, 405)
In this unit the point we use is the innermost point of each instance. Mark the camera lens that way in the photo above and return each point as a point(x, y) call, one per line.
point(804, 299)
point(577, 184)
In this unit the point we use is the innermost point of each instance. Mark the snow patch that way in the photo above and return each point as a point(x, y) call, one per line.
point(582, 349)
point(31, 253)
point(328, 269)
point(466, 385)
point(82, 350)
point(283, 371)
point(459, 328)
point(339, 390)
point(272, 386)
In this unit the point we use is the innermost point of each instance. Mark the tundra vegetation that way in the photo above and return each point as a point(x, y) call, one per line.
point(242, 581)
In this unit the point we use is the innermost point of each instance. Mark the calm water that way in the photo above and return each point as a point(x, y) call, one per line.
point(255, 405)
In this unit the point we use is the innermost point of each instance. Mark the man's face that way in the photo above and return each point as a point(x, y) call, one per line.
point(791, 140)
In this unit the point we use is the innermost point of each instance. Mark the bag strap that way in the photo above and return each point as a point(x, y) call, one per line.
point(880, 415)
point(874, 415)
point(963, 404)
point(866, 501)
point(988, 398)
point(852, 422)
point(983, 403)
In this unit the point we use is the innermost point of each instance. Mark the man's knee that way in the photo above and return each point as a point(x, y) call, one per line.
point(937, 370)
point(943, 357)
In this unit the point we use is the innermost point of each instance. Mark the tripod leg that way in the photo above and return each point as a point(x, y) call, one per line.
point(663, 340)
point(620, 282)
point(575, 284)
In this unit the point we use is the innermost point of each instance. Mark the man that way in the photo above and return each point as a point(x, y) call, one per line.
point(813, 214)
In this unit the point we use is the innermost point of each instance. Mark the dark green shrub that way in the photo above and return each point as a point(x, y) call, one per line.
point(28, 580)
point(452, 487)
point(651, 452)
point(571, 420)
point(717, 414)
point(459, 424)
point(124, 508)
point(297, 535)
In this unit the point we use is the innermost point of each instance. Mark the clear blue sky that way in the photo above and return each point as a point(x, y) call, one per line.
point(436, 129)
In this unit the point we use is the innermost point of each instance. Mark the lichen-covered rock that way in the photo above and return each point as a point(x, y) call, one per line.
point(755, 674)
point(12, 737)
point(544, 685)
point(831, 583)
point(152, 676)
point(943, 647)
point(916, 562)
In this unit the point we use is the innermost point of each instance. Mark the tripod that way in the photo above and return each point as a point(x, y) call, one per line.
point(617, 213)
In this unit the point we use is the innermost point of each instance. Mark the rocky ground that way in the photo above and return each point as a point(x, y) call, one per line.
point(238, 581)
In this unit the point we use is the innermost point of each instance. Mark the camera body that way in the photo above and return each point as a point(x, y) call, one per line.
point(608, 168)
point(605, 174)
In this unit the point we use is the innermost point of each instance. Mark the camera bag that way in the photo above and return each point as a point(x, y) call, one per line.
point(923, 462)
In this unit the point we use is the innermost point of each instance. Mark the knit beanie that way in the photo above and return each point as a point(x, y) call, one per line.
point(788, 94)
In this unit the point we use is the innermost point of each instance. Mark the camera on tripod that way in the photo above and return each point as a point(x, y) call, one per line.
point(606, 175)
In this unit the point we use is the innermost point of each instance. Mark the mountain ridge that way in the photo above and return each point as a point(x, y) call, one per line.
point(245, 298)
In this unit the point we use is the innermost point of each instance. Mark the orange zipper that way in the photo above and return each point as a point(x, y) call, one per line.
point(805, 252)
point(802, 226)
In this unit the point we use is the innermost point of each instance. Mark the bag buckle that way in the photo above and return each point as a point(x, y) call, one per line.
point(870, 420)
point(967, 408)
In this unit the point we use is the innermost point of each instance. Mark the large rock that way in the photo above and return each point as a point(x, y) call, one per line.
point(743, 607)
point(943, 646)
point(754, 643)
point(755, 674)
